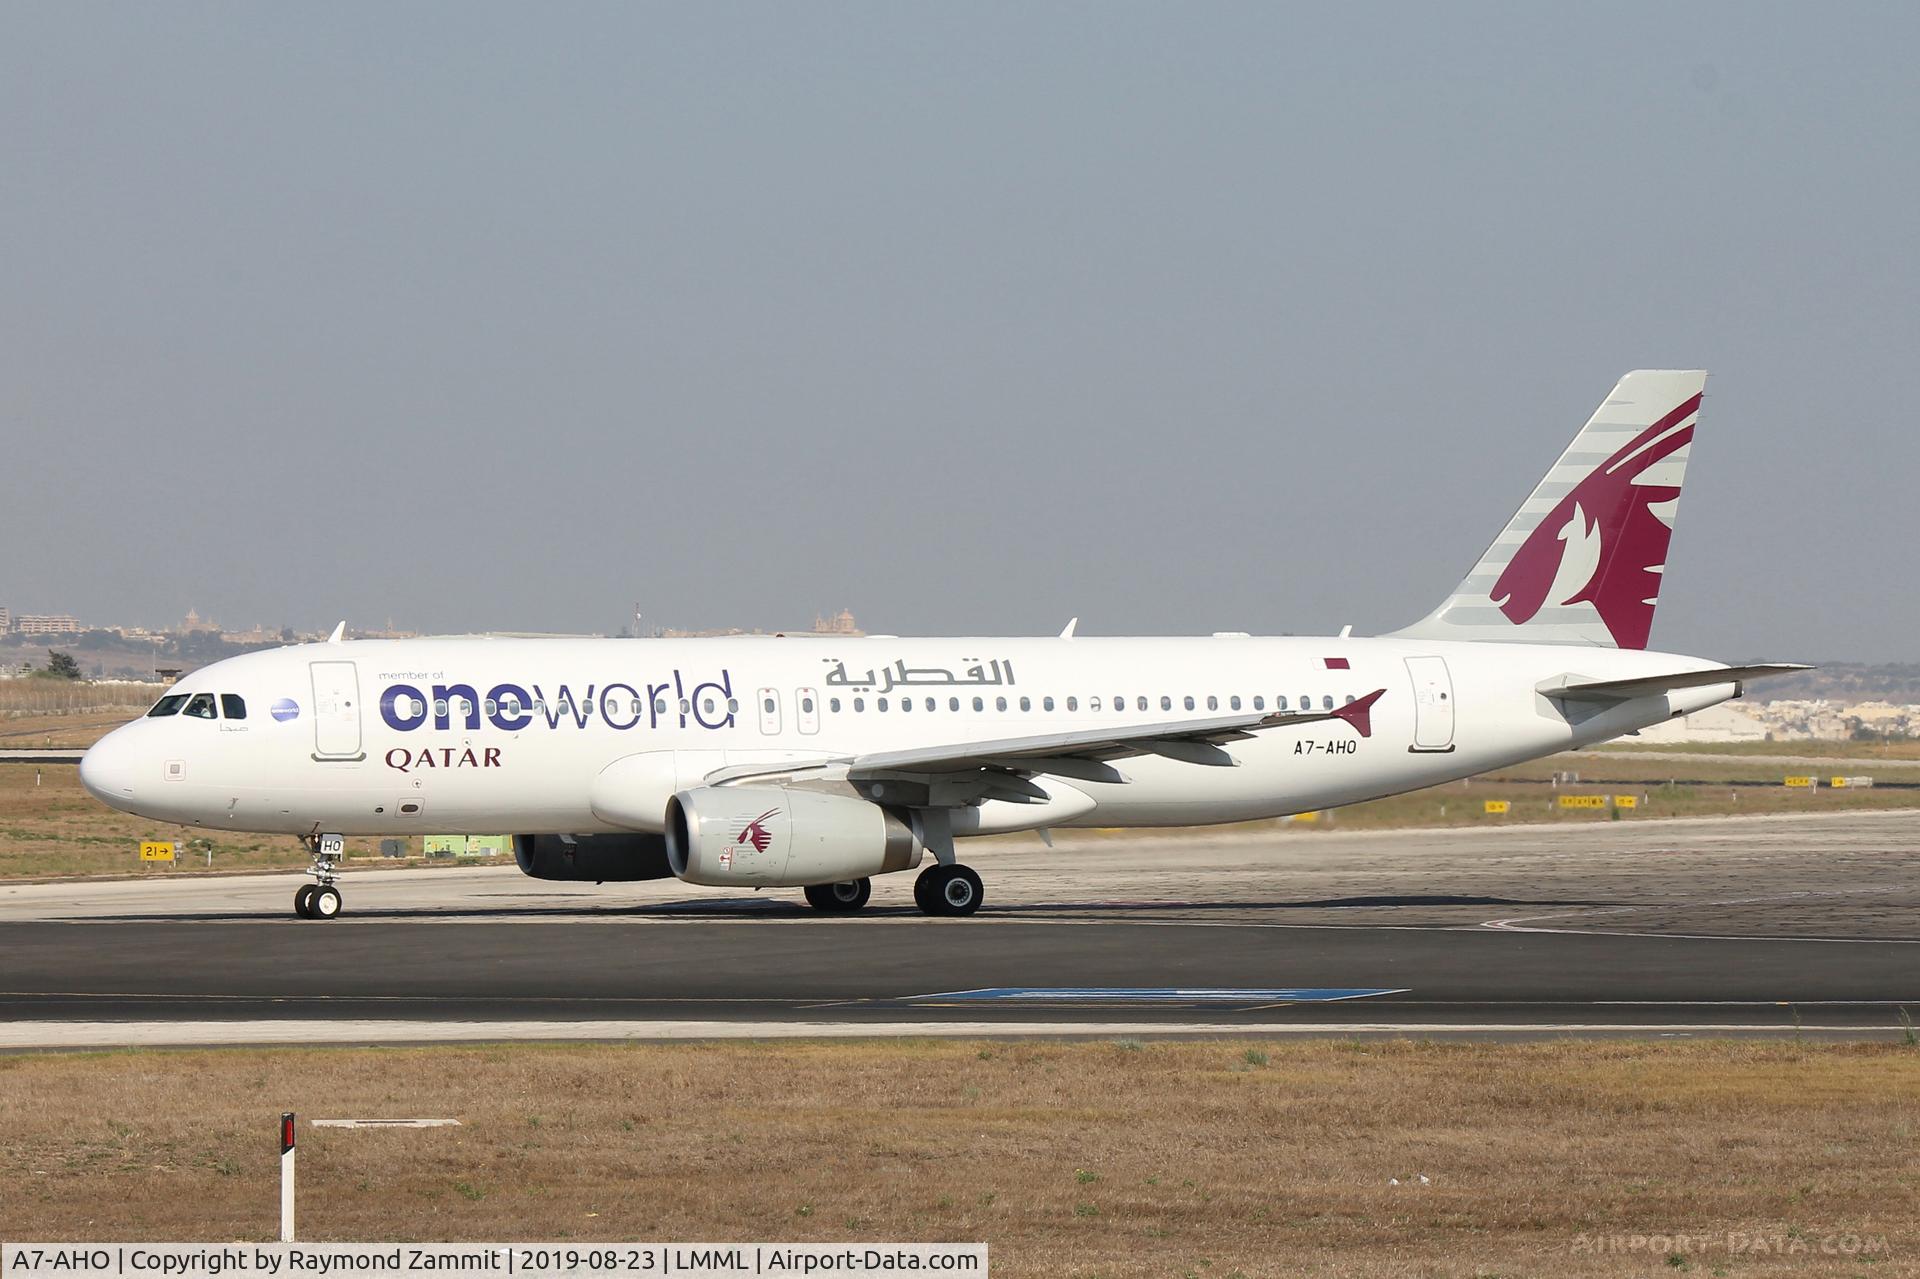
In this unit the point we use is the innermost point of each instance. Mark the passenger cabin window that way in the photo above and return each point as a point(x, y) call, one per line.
point(859, 703)
point(233, 706)
point(999, 703)
point(1326, 703)
point(1259, 702)
point(1280, 702)
point(1073, 704)
point(953, 703)
point(833, 704)
point(1141, 703)
point(168, 705)
point(1166, 703)
point(979, 704)
point(1213, 703)
point(1026, 703)
point(1233, 703)
point(880, 703)
point(200, 706)
point(1189, 702)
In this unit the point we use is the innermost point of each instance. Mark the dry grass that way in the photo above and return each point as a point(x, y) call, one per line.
point(1529, 789)
point(67, 715)
point(50, 696)
point(1896, 748)
point(1070, 1159)
point(53, 827)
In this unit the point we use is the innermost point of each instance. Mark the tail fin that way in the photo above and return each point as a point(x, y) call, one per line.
point(1581, 561)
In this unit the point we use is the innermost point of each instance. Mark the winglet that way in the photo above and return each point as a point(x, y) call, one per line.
point(339, 632)
point(1066, 632)
point(1360, 713)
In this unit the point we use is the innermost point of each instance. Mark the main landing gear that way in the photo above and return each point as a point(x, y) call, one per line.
point(842, 898)
point(321, 899)
point(948, 888)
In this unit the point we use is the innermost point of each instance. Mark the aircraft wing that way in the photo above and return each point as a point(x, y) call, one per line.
point(1620, 690)
point(999, 767)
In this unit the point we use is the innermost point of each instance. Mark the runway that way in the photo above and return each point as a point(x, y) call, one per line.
point(1749, 925)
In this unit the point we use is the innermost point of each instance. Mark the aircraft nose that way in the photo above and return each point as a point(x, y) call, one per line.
point(106, 770)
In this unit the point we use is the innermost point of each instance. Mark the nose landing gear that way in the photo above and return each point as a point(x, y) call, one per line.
point(321, 899)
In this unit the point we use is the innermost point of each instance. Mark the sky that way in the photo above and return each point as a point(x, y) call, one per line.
point(971, 318)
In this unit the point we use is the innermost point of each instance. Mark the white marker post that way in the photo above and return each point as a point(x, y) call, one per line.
point(286, 1177)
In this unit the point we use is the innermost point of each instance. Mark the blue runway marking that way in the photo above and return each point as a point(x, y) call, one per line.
point(1161, 995)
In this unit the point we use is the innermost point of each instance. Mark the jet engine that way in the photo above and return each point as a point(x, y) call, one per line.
point(600, 859)
point(780, 836)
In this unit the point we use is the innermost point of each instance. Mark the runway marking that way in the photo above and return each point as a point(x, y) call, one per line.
point(1523, 923)
point(77, 1034)
point(1092, 995)
point(1516, 924)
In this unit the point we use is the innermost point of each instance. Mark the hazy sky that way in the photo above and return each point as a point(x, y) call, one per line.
point(970, 317)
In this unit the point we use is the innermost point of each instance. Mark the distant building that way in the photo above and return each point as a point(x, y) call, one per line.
point(1722, 723)
point(840, 623)
point(195, 623)
point(6, 620)
point(46, 624)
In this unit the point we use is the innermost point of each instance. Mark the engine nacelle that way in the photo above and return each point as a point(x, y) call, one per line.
point(780, 836)
point(600, 859)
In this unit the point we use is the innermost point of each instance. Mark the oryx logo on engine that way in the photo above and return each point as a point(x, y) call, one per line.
point(756, 833)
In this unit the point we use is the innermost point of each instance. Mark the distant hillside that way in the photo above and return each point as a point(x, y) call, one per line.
point(105, 655)
point(1845, 682)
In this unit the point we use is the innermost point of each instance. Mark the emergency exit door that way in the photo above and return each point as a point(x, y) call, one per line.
point(336, 711)
point(1432, 704)
point(769, 712)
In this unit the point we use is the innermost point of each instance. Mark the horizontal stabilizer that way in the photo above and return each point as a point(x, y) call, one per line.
point(1620, 690)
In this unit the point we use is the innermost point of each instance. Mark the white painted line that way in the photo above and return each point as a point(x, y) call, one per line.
point(385, 1123)
point(51, 1034)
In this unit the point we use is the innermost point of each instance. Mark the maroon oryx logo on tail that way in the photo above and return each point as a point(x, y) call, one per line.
point(756, 833)
point(1604, 543)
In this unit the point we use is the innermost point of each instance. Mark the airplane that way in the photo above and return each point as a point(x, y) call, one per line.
point(821, 762)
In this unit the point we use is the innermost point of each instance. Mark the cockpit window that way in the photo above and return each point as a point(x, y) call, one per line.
point(201, 706)
point(233, 706)
point(168, 705)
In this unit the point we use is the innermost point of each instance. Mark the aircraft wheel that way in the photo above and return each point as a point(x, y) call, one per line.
point(948, 890)
point(326, 902)
point(839, 899)
point(303, 901)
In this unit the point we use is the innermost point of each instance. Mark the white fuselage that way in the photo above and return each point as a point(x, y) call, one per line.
point(489, 735)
